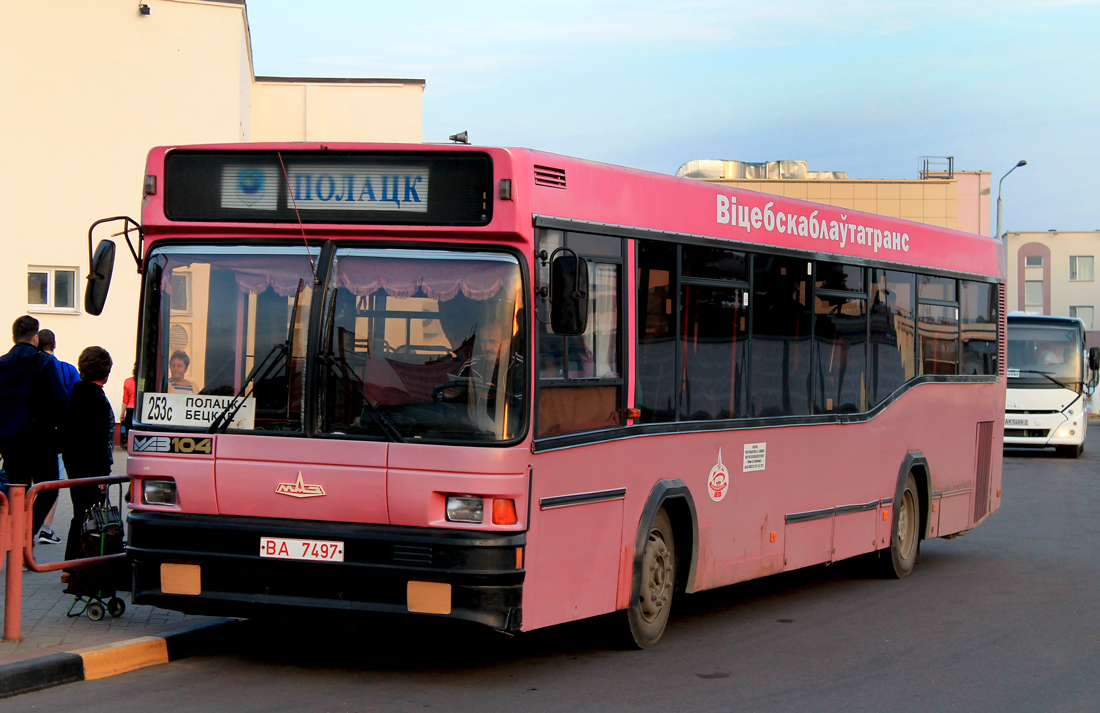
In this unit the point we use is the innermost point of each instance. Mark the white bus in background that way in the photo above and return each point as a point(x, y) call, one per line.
point(1051, 378)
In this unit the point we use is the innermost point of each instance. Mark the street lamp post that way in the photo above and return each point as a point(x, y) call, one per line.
point(999, 235)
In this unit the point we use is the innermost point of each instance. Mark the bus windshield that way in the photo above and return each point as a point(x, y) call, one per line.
point(218, 319)
point(424, 345)
point(1042, 351)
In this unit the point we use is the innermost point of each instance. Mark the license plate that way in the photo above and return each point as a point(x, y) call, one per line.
point(319, 550)
point(1019, 422)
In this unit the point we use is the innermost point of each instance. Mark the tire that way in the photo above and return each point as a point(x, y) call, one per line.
point(1070, 451)
point(116, 607)
point(905, 536)
point(648, 612)
point(95, 611)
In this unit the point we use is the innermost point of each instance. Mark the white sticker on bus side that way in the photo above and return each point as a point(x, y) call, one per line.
point(193, 411)
point(755, 455)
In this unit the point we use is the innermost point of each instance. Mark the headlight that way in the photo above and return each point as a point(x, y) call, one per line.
point(1062, 432)
point(463, 508)
point(158, 492)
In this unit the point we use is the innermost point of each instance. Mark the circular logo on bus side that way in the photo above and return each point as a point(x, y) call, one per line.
point(719, 481)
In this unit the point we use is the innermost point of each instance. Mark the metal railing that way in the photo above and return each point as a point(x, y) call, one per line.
point(16, 539)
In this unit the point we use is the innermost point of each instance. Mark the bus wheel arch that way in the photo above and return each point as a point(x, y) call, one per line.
point(669, 504)
point(913, 474)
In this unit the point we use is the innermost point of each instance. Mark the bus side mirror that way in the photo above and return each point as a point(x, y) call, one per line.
point(1094, 358)
point(99, 279)
point(568, 294)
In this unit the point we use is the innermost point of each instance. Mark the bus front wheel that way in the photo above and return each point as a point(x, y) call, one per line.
point(1070, 451)
point(905, 538)
point(648, 612)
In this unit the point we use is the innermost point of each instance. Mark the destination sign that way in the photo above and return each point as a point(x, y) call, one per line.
point(185, 410)
point(363, 187)
point(329, 187)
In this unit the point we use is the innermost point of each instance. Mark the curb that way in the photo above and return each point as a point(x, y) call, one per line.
point(110, 659)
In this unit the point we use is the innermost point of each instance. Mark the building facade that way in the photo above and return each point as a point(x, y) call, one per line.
point(948, 199)
point(89, 88)
point(1054, 272)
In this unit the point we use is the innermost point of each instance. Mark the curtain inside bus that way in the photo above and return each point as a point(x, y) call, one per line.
point(424, 344)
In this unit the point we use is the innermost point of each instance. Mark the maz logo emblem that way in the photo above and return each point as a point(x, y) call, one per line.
point(299, 489)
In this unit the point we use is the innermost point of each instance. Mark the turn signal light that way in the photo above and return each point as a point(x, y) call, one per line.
point(504, 512)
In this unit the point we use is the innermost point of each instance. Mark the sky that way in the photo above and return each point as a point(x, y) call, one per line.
point(863, 86)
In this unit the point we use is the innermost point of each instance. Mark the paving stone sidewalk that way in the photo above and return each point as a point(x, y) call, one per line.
point(47, 629)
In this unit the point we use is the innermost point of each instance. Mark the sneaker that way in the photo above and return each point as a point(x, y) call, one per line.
point(46, 537)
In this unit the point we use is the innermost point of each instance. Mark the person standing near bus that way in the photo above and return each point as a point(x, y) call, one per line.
point(31, 399)
point(88, 432)
point(47, 343)
point(129, 400)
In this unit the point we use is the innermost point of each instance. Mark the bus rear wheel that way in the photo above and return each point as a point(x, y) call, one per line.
point(648, 612)
point(905, 538)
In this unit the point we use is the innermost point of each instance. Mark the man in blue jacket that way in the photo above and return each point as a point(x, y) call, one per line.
point(31, 398)
point(47, 343)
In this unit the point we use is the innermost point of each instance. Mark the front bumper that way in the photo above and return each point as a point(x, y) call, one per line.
point(379, 562)
point(1042, 431)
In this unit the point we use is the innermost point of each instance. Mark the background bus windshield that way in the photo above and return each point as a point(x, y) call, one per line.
point(1038, 350)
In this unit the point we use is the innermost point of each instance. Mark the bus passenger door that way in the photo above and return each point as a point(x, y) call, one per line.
point(578, 518)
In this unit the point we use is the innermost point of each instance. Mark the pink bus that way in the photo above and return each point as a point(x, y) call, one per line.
point(522, 389)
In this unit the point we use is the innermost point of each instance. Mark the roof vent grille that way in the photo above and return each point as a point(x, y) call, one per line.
point(549, 177)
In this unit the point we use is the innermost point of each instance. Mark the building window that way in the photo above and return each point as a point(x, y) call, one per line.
point(1033, 261)
point(51, 288)
point(181, 292)
point(1080, 267)
point(1084, 314)
point(1033, 293)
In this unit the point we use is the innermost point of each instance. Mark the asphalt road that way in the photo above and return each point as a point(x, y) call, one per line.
point(1003, 619)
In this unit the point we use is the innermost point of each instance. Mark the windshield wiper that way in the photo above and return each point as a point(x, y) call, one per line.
point(387, 428)
point(1043, 373)
point(221, 423)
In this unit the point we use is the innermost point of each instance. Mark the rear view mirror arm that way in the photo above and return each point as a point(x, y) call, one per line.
point(128, 224)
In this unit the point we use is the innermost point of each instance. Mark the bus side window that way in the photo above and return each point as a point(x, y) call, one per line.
point(655, 360)
point(937, 325)
point(979, 328)
point(893, 352)
point(840, 339)
point(780, 374)
point(580, 378)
